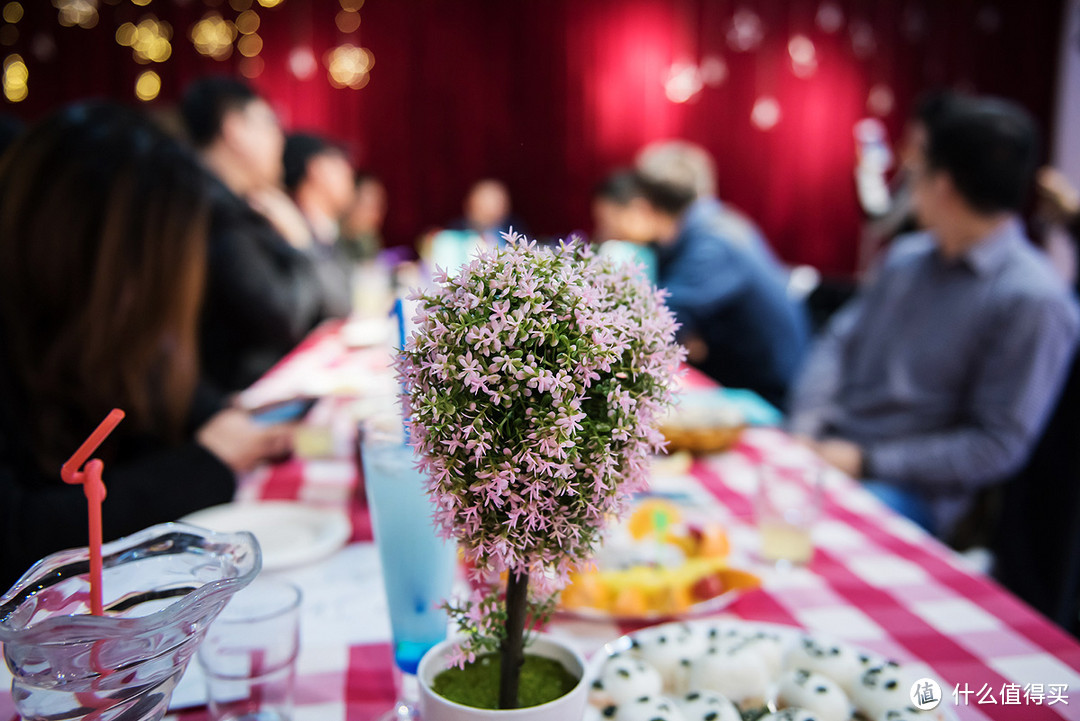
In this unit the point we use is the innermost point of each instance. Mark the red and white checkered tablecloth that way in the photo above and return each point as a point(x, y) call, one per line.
point(876, 581)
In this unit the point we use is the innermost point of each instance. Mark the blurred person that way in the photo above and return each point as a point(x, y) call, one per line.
point(99, 308)
point(1057, 222)
point(1059, 199)
point(737, 323)
point(610, 197)
point(686, 165)
point(320, 179)
point(488, 212)
point(936, 380)
point(361, 229)
point(896, 215)
point(263, 294)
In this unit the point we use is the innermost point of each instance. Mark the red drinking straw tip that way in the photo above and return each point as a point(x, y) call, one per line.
point(94, 488)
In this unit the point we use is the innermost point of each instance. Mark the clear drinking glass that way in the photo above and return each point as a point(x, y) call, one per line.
point(787, 505)
point(418, 566)
point(249, 655)
point(161, 589)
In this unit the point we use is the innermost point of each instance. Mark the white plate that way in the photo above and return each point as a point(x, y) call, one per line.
point(790, 635)
point(289, 533)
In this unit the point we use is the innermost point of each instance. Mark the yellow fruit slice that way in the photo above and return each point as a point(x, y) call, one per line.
point(653, 517)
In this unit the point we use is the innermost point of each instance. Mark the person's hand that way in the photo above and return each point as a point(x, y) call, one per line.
point(277, 207)
point(1059, 200)
point(241, 443)
point(697, 352)
point(840, 454)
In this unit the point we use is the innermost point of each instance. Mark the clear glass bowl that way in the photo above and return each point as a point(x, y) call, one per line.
point(162, 587)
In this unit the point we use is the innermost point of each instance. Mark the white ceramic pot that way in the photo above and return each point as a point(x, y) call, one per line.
point(570, 707)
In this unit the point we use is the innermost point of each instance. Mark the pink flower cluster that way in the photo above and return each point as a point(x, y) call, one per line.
point(535, 381)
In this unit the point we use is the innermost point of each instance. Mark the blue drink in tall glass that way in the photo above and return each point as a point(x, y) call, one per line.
point(418, 566)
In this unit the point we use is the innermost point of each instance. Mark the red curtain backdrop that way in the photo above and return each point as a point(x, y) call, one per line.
point(549, 95)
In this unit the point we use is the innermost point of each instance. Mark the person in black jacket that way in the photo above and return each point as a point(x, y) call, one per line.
point(103, 239)
point(263, 295)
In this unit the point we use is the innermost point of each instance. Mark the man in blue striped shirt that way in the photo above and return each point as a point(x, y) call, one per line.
point(938, 377)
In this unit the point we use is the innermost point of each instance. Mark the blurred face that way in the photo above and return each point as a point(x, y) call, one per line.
point(487, 205)
point(605, 215)
point(368, 208)
point(333, 176)
point(914, 143)
point(930, 191)
point(632, 222)
point(255, 136)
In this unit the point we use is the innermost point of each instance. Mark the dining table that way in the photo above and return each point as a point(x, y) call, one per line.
point(876, 580)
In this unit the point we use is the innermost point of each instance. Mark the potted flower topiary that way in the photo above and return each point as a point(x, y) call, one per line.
point(534, 383)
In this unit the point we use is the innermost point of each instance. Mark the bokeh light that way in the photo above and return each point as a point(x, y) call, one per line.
point(830, 17)
point(880, 101)
point(348, 66)
point(250, 45)
point(247, 22)
point(147, 86)
point(16, 78)
point(13, 12)
point(302, 63)
point(83, 13)
point(269, 3)
point(766, 113)
point(353, 5)
point(746, 31)
point(683, 82)
point(348, 21)
point(213, 36)
point(149, 40)
point(803, 56)
point(714, 71)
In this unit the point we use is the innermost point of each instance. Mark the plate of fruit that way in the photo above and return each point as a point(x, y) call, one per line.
point(660, 563)
point(731, 670)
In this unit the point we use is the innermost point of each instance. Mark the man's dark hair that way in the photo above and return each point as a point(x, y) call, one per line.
point(300, 148)
point(624, 185)
point(205, 103)
point(620, 187)
point(668, 198)
point(366, 176)
point(990, 148)
point(933, 105)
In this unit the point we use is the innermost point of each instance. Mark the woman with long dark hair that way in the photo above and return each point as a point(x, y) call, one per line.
point(103, 223)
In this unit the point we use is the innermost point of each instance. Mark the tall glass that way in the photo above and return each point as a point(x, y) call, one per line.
point(162, 587)
point(787, 505)
point(417, 565)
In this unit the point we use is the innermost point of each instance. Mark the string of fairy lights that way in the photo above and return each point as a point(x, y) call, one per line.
point(216, 35)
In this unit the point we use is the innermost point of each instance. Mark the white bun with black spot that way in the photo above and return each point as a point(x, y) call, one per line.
point(671, 650)
point(707, 706)
point(739, 674)
point(840, 663)
point(624, 678)
point(648, 708)
point(881, 689)
point(814, 692)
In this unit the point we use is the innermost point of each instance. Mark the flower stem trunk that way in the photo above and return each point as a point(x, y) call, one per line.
point(513, 647)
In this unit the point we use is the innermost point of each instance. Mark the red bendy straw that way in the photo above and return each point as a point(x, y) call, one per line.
point(94, 488)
